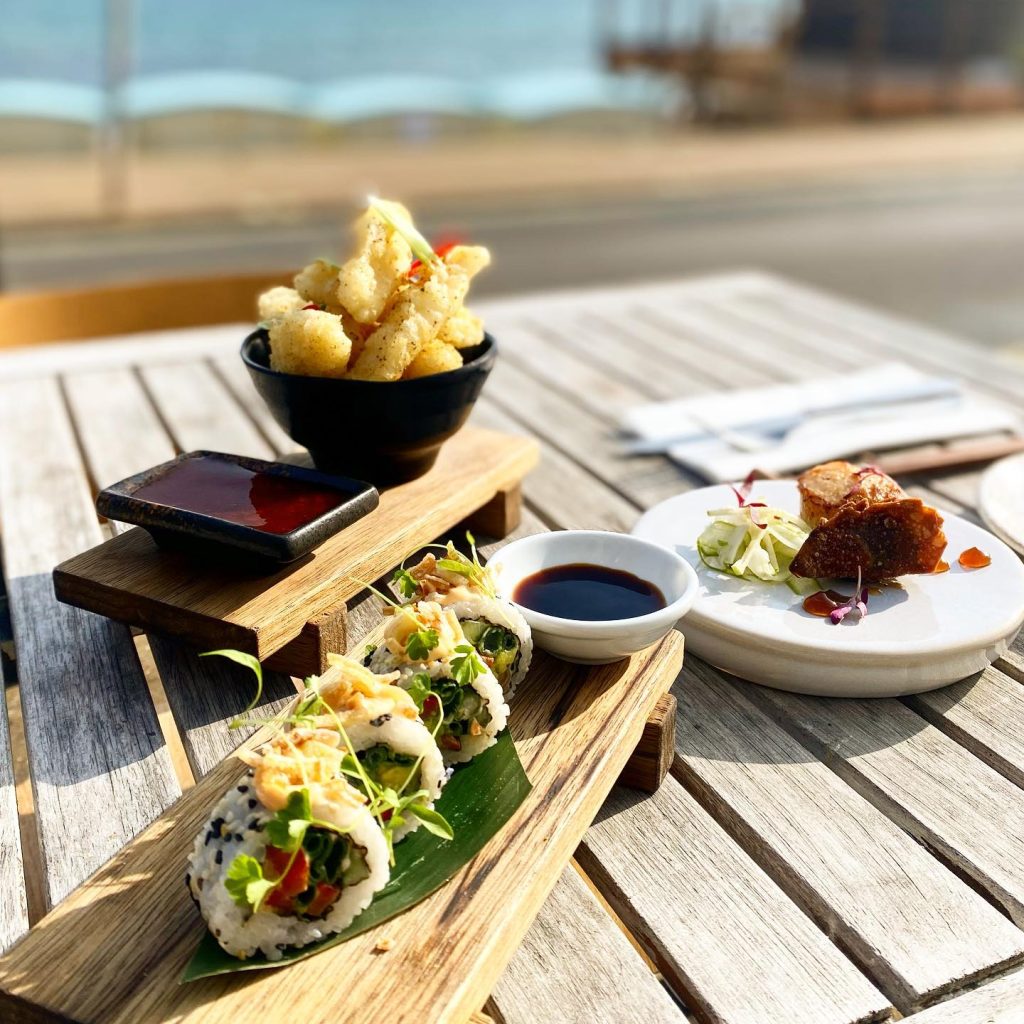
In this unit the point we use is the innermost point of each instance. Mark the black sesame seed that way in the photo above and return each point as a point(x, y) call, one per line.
point(252, 803)
point(243, 789)
point(238, 838)
point(219, 859)
point(378, 722)
point(255, 826)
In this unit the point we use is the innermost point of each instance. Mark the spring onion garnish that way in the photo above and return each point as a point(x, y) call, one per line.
point(755, 545)
point(393, 216)
point(858, 603)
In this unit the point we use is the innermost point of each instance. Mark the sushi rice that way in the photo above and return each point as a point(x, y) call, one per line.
point(237, 827)
point(469, 724)
point(474, 610)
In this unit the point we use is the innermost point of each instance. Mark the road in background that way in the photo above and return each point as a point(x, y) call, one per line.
point(946, 250)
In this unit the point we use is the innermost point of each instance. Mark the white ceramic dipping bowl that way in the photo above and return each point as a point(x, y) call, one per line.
point(608, 640)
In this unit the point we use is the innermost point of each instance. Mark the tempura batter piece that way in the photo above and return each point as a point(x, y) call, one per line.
point(863, 520)
point(279, 302)
point(435, 357)
point(462, 329)
point(382, 261)
point(310, 342)
point(318, 283)
point(408, 325)
point(827, 488)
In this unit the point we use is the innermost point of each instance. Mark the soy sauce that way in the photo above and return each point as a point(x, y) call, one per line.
point(587, 592)
point(216, 487)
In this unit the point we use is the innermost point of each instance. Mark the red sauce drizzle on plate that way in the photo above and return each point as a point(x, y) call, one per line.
point(824, 602)
point(974, 558)
point(225, 490)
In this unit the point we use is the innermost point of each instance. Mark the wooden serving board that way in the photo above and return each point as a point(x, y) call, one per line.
point(290, 620)
point(114, 951)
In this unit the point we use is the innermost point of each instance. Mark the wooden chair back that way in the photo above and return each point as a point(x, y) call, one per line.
point(35, 317)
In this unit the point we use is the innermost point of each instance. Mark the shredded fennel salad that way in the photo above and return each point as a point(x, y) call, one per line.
point(756, 542)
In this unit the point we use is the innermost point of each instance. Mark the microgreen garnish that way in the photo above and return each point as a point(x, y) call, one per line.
point(390, 601)
point(245, 883)
point(469, 567)
point(858, 603)
point(250, 662)
point(466, 665)
point(419, 688)
point(395, 217)
point(432, 821)
point(406, 582)
point(287, 828)
point(421, 643)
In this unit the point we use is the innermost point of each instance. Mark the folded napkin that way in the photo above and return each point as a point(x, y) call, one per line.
point(725, 435)
point(658, 425)
point(823, 438)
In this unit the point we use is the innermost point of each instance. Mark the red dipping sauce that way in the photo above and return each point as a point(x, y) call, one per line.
point(225, 490)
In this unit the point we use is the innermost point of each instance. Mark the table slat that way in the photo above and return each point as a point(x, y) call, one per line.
point(578, 967)
point(567, 493)
point(546, 357)
point(985, 714)
point(876, 331)
point(923, 780)
point(100, 769)
point(13, 903)
point(910, 924)
point(998, 1002)
point(644, 479)
point(722, 932)
point(200, 412)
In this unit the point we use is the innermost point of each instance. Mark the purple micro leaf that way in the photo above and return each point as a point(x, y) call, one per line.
point(858, 603)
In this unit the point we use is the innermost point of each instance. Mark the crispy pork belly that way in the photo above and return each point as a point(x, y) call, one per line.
point(864, 521)
point(827, 488)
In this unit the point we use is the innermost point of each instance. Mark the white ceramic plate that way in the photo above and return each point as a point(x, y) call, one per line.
point(934, 631)
point(1001, 500)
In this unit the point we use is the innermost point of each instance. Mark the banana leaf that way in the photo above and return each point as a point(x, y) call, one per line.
point(477, 801)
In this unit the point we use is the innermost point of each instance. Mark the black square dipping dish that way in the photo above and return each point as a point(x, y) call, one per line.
point(246, 510)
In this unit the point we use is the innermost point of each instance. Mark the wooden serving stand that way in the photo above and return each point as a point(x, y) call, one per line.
point(291, 619)
point(114, 950)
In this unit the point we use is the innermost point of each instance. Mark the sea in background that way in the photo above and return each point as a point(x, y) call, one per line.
point(313, 40)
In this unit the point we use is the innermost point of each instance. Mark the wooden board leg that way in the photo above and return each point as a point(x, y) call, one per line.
point(306, 655)
point(649, 763)
point(500, 516)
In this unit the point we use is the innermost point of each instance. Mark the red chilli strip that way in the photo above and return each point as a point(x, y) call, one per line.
point(441, 249)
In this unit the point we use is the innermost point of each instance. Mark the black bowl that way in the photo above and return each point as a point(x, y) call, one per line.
point(382, 431)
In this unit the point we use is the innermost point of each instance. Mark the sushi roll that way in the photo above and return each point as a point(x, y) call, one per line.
point(383, 729)
point(462, 702)
point(495, 627)
point(291, 854)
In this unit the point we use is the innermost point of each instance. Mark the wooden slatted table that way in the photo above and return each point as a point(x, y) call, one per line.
point(806, 860)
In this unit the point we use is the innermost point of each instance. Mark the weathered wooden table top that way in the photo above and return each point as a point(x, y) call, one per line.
point(807, 860)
